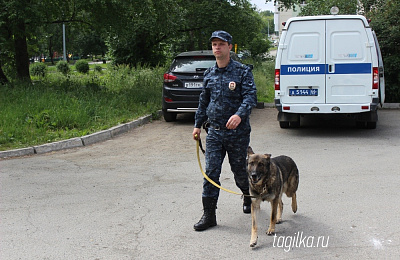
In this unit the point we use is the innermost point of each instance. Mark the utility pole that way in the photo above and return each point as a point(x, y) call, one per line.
point(64, 47)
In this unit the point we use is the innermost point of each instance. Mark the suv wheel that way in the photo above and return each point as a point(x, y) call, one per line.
point(169, 117)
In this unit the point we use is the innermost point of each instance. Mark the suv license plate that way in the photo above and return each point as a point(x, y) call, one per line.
point(193, 85)
point(303, 92)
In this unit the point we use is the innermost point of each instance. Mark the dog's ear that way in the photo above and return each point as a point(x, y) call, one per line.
point(267, 156)
point(249, 151)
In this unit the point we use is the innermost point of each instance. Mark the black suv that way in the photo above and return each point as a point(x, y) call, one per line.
point(183, 82)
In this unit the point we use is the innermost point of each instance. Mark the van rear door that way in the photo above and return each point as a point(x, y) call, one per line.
point(326, 62)
point(348, 58)
point(302, 69)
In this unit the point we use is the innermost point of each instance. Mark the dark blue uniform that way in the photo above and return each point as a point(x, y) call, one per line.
point(227, 91)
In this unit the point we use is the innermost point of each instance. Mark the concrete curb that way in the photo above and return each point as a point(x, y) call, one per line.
point(96, 137)
point(56, 146)
point(79, 141)
point(17, 152)
point(391, 106)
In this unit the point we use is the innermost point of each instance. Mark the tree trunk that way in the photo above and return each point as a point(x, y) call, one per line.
point(51, 54)
point(3, 78)
point(21, 53)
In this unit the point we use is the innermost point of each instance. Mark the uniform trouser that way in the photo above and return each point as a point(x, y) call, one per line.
point(218, 143)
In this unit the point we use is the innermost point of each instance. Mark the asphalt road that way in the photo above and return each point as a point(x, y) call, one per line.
point(138, 195)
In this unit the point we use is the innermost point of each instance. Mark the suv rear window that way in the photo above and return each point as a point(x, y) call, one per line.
point(192, 64)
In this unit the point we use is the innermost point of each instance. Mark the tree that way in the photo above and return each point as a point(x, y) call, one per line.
point(159, 27)
point(385, 21)
point(20, 19)
point(258, 47)
point(13, 40)
point(202, 17)
point(319, 7)
point(134, 32)
point(268, 22)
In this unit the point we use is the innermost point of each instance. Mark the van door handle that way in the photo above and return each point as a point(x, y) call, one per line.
point(331, 68)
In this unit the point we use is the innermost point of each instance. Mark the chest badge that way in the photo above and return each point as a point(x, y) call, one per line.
point(232, 85)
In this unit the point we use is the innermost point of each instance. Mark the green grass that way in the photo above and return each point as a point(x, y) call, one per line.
point(59, 107)
point(264, 77)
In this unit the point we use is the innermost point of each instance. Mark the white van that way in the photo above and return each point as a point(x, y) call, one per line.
point(328, 64)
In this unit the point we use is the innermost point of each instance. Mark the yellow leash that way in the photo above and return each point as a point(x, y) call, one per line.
point(205, 175)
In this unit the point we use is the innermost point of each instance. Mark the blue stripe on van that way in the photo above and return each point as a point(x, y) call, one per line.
point(353, 68)
point(313, 69)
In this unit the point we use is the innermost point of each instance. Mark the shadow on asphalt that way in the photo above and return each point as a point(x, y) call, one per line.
point(331, 126)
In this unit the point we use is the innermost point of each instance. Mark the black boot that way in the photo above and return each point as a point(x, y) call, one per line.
point(208, 219)
point(246, 203)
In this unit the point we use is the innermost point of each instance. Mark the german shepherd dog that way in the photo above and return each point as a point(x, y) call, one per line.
point(269, 178)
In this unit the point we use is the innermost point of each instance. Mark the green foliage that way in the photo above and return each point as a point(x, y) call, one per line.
point(82, 66)
point(267, 18)
point(159, 27)
point(38, 69)
point(258, 47)
point(320, 7)
point(150, 32)
point(63, 67)
point(385, 16)
point(146, 32)
point(98, 68)
point(58, 108)
point(264, 73)
point(140, 33)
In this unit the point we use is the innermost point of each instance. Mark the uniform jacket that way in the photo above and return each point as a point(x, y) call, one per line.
point(218, 101)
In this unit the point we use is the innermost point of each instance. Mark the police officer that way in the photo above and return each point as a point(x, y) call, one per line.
point(228, 96)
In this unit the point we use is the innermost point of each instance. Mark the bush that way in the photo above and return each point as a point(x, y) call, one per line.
point(63, 67)
point(82, 66)
point(98, 68)
point(38, 69)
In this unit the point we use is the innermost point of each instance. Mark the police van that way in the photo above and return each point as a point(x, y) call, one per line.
point(328, 64)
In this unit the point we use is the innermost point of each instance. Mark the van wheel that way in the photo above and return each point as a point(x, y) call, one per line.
point(295, 124)
point(371, 125)
point(360, 124)
point(366, 125)
point(284, 124)
point(169, 117)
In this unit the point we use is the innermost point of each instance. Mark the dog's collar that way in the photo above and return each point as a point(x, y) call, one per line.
point(261, 194)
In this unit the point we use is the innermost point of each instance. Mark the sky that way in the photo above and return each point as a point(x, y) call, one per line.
point(260, 4)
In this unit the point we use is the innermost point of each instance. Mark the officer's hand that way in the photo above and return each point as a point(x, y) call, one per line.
point(233, 122)
point(196, 133)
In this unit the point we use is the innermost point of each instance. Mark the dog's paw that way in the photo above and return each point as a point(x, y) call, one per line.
point(253, 244)
point(253, 241)
point(279, 221)
point(270, 232)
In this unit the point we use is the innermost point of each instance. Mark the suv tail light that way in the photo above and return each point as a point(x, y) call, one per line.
point(375, 78)
point(277, 79)
point(169, 77)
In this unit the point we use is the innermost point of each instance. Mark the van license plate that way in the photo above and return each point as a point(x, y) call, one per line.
point(303, 92)
point(193, 85)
